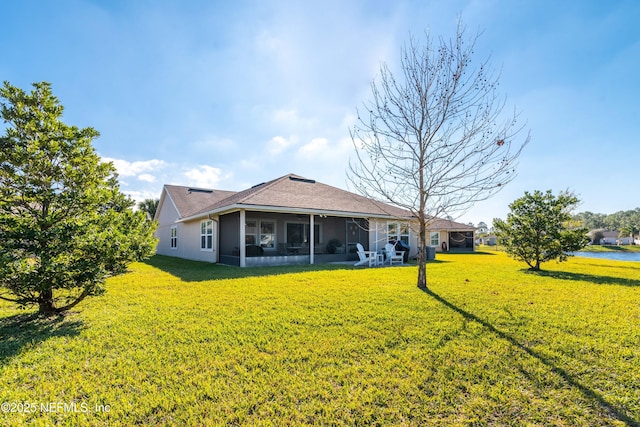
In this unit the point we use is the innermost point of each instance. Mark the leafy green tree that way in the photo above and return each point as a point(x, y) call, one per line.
point(592, 220)
point(150, 206)
point(540, 228)
point(64, 225)
point(628, 230)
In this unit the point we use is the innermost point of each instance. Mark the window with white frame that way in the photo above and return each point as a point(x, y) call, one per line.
point(268, 234)
point(250, 232)
point(434, 238)
point(398, 231)
point(174, 237)
point(262, 233)
point(206, 235)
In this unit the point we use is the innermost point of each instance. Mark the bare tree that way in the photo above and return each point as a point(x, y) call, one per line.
point(434, 139)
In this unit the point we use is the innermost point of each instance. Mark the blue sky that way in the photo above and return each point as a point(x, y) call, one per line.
point(231, 94)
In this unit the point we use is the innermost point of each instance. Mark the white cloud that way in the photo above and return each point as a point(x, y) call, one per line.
point(204, 176)
point(317, 146)
point(140, 196)
point(147, 177)
point(127, 168)
point(278, 144)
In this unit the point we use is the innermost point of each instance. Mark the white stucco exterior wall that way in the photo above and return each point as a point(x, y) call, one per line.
point(188, 235)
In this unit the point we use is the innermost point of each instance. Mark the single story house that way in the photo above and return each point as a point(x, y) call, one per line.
point(609, 238)
point(489, 240)
point(289, 220)
point(614, 238)
point(626, 241)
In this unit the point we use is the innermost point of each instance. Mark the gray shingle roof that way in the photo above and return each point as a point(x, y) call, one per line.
point(190, 200)
point(448, 225)
point(287, 192)
point(290, 192)
point(296, 192)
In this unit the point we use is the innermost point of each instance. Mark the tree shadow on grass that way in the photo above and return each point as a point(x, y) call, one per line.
point(617, 267)
point(616, 412)
point(591, 278)
point(198, 271)
point(21, 330)
point(454, 252)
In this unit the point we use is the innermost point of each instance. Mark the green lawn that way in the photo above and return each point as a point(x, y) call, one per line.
point(185, 343)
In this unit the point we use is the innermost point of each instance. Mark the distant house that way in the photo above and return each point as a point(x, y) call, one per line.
point(625, 241)
point(613, 238)
point(447, 235)
point(490, 240)
point(289, 220)
point(608, 238)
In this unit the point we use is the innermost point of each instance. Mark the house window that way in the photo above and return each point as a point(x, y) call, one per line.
point(174, 237)
point(206, 235)
point(250, 232)
point(268, 234)
point(297, 233)
point(434, 238)
point(397, 231)
point(262, 233)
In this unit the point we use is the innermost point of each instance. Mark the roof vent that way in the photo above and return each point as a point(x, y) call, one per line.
point(199, 190)
point(305, 180)
point(258, 185)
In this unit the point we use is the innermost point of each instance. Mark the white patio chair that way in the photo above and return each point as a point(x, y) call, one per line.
point(365, 256)
point(393, 255)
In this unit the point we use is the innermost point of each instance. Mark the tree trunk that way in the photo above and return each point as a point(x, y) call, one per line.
point(422, 254)
point(45, 302)
point(73, 303)
point(422, 270)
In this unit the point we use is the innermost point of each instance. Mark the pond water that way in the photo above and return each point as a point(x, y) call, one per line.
point(618, 256)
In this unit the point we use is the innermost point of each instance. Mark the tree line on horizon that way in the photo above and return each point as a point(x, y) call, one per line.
point(626, 222)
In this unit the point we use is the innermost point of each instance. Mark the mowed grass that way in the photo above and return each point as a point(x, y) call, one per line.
point(175, 342)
